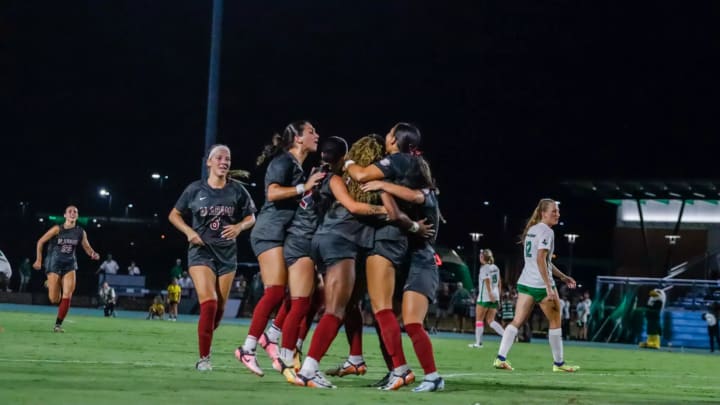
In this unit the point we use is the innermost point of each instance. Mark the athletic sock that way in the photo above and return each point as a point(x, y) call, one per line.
point(507, 341)
point(273, 296)
point(205, 328)
point(556, 345)
point(423, 346)
point(495, 325)
point(390, 331)
point(298, 310)
point(325, 333)
point(479, 330)
point(63, 309)
point(353, 330)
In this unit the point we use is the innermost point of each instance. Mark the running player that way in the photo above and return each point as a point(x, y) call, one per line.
point(536, 285)
point(61, 262)
point(221, 209)
point(487, 299)
point(285, 185)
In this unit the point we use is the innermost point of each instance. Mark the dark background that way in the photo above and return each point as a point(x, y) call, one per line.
point(512, 98)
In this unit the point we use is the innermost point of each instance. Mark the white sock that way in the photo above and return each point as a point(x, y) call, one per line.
point(401, 370)
point(299, 344)
point(556, 345)
point(250, 344)
point(508, 338)
point(495, 325)
point(432, 376)
point(356, 359)
point(286, 355)
point(273, 333)
point(309, 367)
point(479, 330)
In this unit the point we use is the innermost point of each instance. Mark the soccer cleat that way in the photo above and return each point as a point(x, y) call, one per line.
point(317, 381)
point(397, 381)
point(430, 385)
point(475, 346)
point(58, 329)
point(565, 368)
point(348, 368)
point(297, 360)
point(203, 364)
point(249, 360)
point(383, 381)
point(502, 364)
point(288, 372)
point(272, 350)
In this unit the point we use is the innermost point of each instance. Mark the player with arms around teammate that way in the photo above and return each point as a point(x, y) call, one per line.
point(61, 263)
point(221, 209)
point(488, 298)
point(285, 186)
point(536, 285)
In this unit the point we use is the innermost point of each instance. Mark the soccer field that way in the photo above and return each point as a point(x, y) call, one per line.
point(133, 361)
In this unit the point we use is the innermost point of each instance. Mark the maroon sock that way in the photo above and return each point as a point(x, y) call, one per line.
point(324, 335)
point(305, 325)
point(208, 309)
point(383, 349)
point(390, 331)
point(282, 313)
point(423, 346)
point(354, 330)
point(63, 310)
point(218, 317)
point(270, 300)
point(299, 307)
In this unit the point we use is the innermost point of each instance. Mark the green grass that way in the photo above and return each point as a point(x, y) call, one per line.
point(131, 361)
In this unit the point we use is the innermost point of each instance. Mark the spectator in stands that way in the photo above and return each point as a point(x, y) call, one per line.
point(157, 309)
point(109, 266)
point(177, 271)
point(583, 314)
point(25, 274)
point(133, 269)
point(5, 273)
point(711, 318)
point(507, 309)
point(185, 281)
point(442, 305)
point(460, 302)
point(174, 291)
point(565, 316)
point(108, 299)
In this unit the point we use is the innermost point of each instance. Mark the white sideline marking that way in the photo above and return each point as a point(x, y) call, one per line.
point(107, 363)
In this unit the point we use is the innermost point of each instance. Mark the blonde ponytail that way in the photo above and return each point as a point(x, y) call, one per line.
point(536, 216)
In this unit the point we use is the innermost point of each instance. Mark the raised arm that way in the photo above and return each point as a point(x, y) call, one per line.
point(364, 174)
point(401, 192)
point(175, 218)
point(277, 192)
point(340, 191)
point(51, 233)
point(88, 249)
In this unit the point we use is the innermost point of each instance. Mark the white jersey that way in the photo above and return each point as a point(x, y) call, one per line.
point(539, 237)
point(489, 272)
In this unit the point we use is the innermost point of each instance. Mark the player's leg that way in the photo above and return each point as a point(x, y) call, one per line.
point(204, 280)
point(524, 307)
point(67, 283)
point(479, 325)
point(490, 319)
point(551, 309)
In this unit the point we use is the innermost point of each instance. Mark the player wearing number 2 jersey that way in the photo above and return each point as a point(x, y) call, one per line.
point(221, 209)
point(536, 285)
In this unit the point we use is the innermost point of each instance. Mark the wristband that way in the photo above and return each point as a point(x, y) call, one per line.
point(348, 163)
point(414, 227)
point(300, 188)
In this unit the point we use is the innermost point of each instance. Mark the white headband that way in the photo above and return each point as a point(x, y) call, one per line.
point(216, 149)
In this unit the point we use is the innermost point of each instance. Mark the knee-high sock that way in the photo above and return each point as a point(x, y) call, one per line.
point(390, 331)
point(423, 346)
point(62, 310)
point(219, 312)
point(495, 325)
point(324, 335)
point(386, 356)
point(307, 322)
point(353, 330)
point(507, 341)
point(206, 324)
point(273, 296)
point(479, 330)
point(282, 313)
point(556, 345)
point(299, 308)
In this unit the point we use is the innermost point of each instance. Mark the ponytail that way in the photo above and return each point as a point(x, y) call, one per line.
point(536, 216)
point(281, 142)
point(487, 255)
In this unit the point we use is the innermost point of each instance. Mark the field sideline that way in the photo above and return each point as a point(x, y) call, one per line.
point(128, 360)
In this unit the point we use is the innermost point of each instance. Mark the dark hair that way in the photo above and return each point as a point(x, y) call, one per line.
point(407, 137)
point(281, 142)
point(333, 149)
point(332, 152)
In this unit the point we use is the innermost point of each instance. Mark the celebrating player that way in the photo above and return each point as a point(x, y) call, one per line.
point(536, 285)
point(488, 297)
point(221, 209)
point(61, 263)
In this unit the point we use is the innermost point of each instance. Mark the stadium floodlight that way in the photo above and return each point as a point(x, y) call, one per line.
point(672, 239)
point(105, 193)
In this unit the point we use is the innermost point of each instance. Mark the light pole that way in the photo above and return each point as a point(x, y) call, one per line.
point(571, 237)
point(475, 237)
point(159, 177)
point(127, 209)
point(105, 193)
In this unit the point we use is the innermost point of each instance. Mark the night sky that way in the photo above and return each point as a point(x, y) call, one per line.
point(511, 97)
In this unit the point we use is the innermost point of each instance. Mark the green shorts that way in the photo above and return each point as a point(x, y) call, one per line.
point(488, 304)
point(538, 294)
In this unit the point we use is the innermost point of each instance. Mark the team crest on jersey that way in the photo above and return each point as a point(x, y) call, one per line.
point(385, 162)
point(306, 201)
